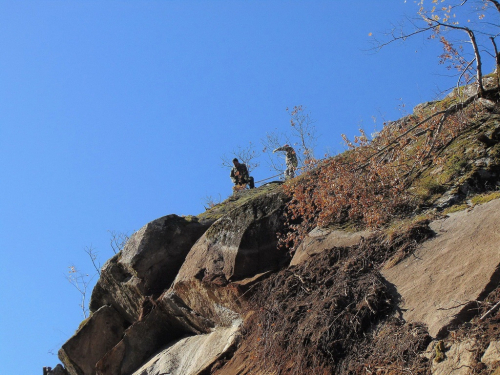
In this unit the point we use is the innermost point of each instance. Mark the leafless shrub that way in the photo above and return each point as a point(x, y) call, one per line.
point(118, 240)
point(82, 282)
point(246, 155)
point(210, 202)
point(301, 136)
point(93, 255)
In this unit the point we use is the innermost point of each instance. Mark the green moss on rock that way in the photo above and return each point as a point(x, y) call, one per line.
point(439, 350)
point(238, 199)
point(485, 198)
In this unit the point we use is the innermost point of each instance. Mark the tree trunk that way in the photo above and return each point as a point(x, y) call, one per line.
point(497, 61)
point(479, 73)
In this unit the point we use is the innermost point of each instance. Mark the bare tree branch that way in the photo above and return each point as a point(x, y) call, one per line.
point(495, 3)
point(245, 155)
point(118, 240)
point(497, 60)
point(93, 258)
point(81, 282)
point(465, 70)
point(472, 37)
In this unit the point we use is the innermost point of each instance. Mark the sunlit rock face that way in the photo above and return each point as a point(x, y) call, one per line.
point(449, 272)
point(240, 245)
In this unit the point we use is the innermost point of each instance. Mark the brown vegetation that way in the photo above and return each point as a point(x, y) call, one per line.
point(335, 313)
point(319, 317)
point(378, 180)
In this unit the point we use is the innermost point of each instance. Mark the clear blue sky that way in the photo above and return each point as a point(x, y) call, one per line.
point(115, 113)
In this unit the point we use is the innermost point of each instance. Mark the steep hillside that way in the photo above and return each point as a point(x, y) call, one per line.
point(383, 260)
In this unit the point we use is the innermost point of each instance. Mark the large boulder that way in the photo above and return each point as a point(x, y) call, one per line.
point(101, 332)
point(147, 265)
point(239, 245)
point(160, 323)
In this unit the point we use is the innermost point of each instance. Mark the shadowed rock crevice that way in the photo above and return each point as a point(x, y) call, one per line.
point(139, 342)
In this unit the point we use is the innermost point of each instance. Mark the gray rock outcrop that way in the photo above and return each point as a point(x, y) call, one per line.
point(176, 286)
point(239, 245)
point(207, 294)
point(147, 265)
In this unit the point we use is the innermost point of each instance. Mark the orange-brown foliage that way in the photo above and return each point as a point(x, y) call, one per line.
point(369, 184)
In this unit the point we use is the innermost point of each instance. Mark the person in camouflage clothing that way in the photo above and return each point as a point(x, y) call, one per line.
point(240, 176)
point(290, 160)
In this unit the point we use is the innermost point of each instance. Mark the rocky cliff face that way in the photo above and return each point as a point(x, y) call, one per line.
point(178, 286)
point(213, 294)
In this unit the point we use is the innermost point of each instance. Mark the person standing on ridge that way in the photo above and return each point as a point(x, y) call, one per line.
point(240, 177)
point(290, 160)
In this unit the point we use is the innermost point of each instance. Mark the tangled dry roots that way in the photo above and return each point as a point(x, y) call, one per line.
point(480, 331)
point(320, 317)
